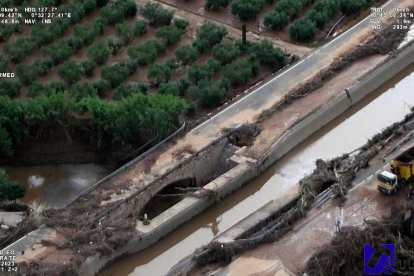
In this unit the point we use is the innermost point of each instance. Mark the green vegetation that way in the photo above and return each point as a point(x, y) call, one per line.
point(161, 73)
point(225, 52)
point(89, 66)
point(19, 49)
point(126, 90)
point(58, 51)
point(186, 54)
point(115, 46)
point(128, 32)
point(239, 72)
point(208, 35)
point(205, 71)
point(37, 88)
point(27, 73)
point(119, 72)
point(101, 87)
point(276, 20)
point(303, 30)
point(87, 32)
point(215, 5)
point(98, 52)
point(209, 93)
point(80, 91)
point(247, 9)
point(118, 10)
point(9, 190)
point(157, 15)
point(146, 52)
point(267, 54)
point(70, 71)
point(170, 35)
point(9, 88)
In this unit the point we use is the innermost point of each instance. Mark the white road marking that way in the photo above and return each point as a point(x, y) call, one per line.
point(253, 92)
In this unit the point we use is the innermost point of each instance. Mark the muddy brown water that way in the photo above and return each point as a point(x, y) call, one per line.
point(387, 105)
point(55, 185)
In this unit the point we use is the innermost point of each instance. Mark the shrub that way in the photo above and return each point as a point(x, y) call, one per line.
point(8, 189)
point(352, 6)
point(6, 31)
point(276, 20)
point(19, 49)
point(302, 30)
point(319, 18)
point(58, 52)
point(215, 5)
point(291, 8)
point(140, 27)
point(89, 66)
point(101, 87)
point(37, 89)
point(190, 108)
point(38, 33)
point(160, 73)
point(89, 6)
point(177, 88)
point(225, 52)
point(186, 54)
point(27, 73)
point(124, 32)
point(82, 90)
point(126, 90)
point(98, 52)
point(115, 46)
point(205, 71)
point(59, 26)
point(239, 72)
point(77, 12)
point(117, 73)
point(146, 52)
point(118, 10)
point(156, 15)
point(87, 32)
point(267, 54)
point(209, 35)
point(9, 88)
point(3, 64)
point(181, 23)
point(76, 43)
point(70, 71)
point(210, 94)
point(246, 9)
point(170, 35)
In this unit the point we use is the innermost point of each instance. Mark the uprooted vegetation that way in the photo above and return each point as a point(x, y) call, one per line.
point(345, 254)
point(336, 174)
point(382, 43)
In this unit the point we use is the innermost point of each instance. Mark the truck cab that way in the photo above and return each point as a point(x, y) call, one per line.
point(387, 182)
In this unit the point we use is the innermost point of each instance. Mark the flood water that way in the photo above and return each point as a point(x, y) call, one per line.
point(384, 107)
point(55, 185)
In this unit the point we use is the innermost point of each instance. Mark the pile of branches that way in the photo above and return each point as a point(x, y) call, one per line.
point(36, 268)
point(383, 43)
point(345, 254)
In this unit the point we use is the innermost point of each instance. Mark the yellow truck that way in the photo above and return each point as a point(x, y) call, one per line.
point(402, 172)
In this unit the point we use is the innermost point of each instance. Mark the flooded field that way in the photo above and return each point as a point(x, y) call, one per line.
point(349, 131)
point(55, 185)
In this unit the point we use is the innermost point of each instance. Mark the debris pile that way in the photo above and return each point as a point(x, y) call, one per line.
point(345, 254)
